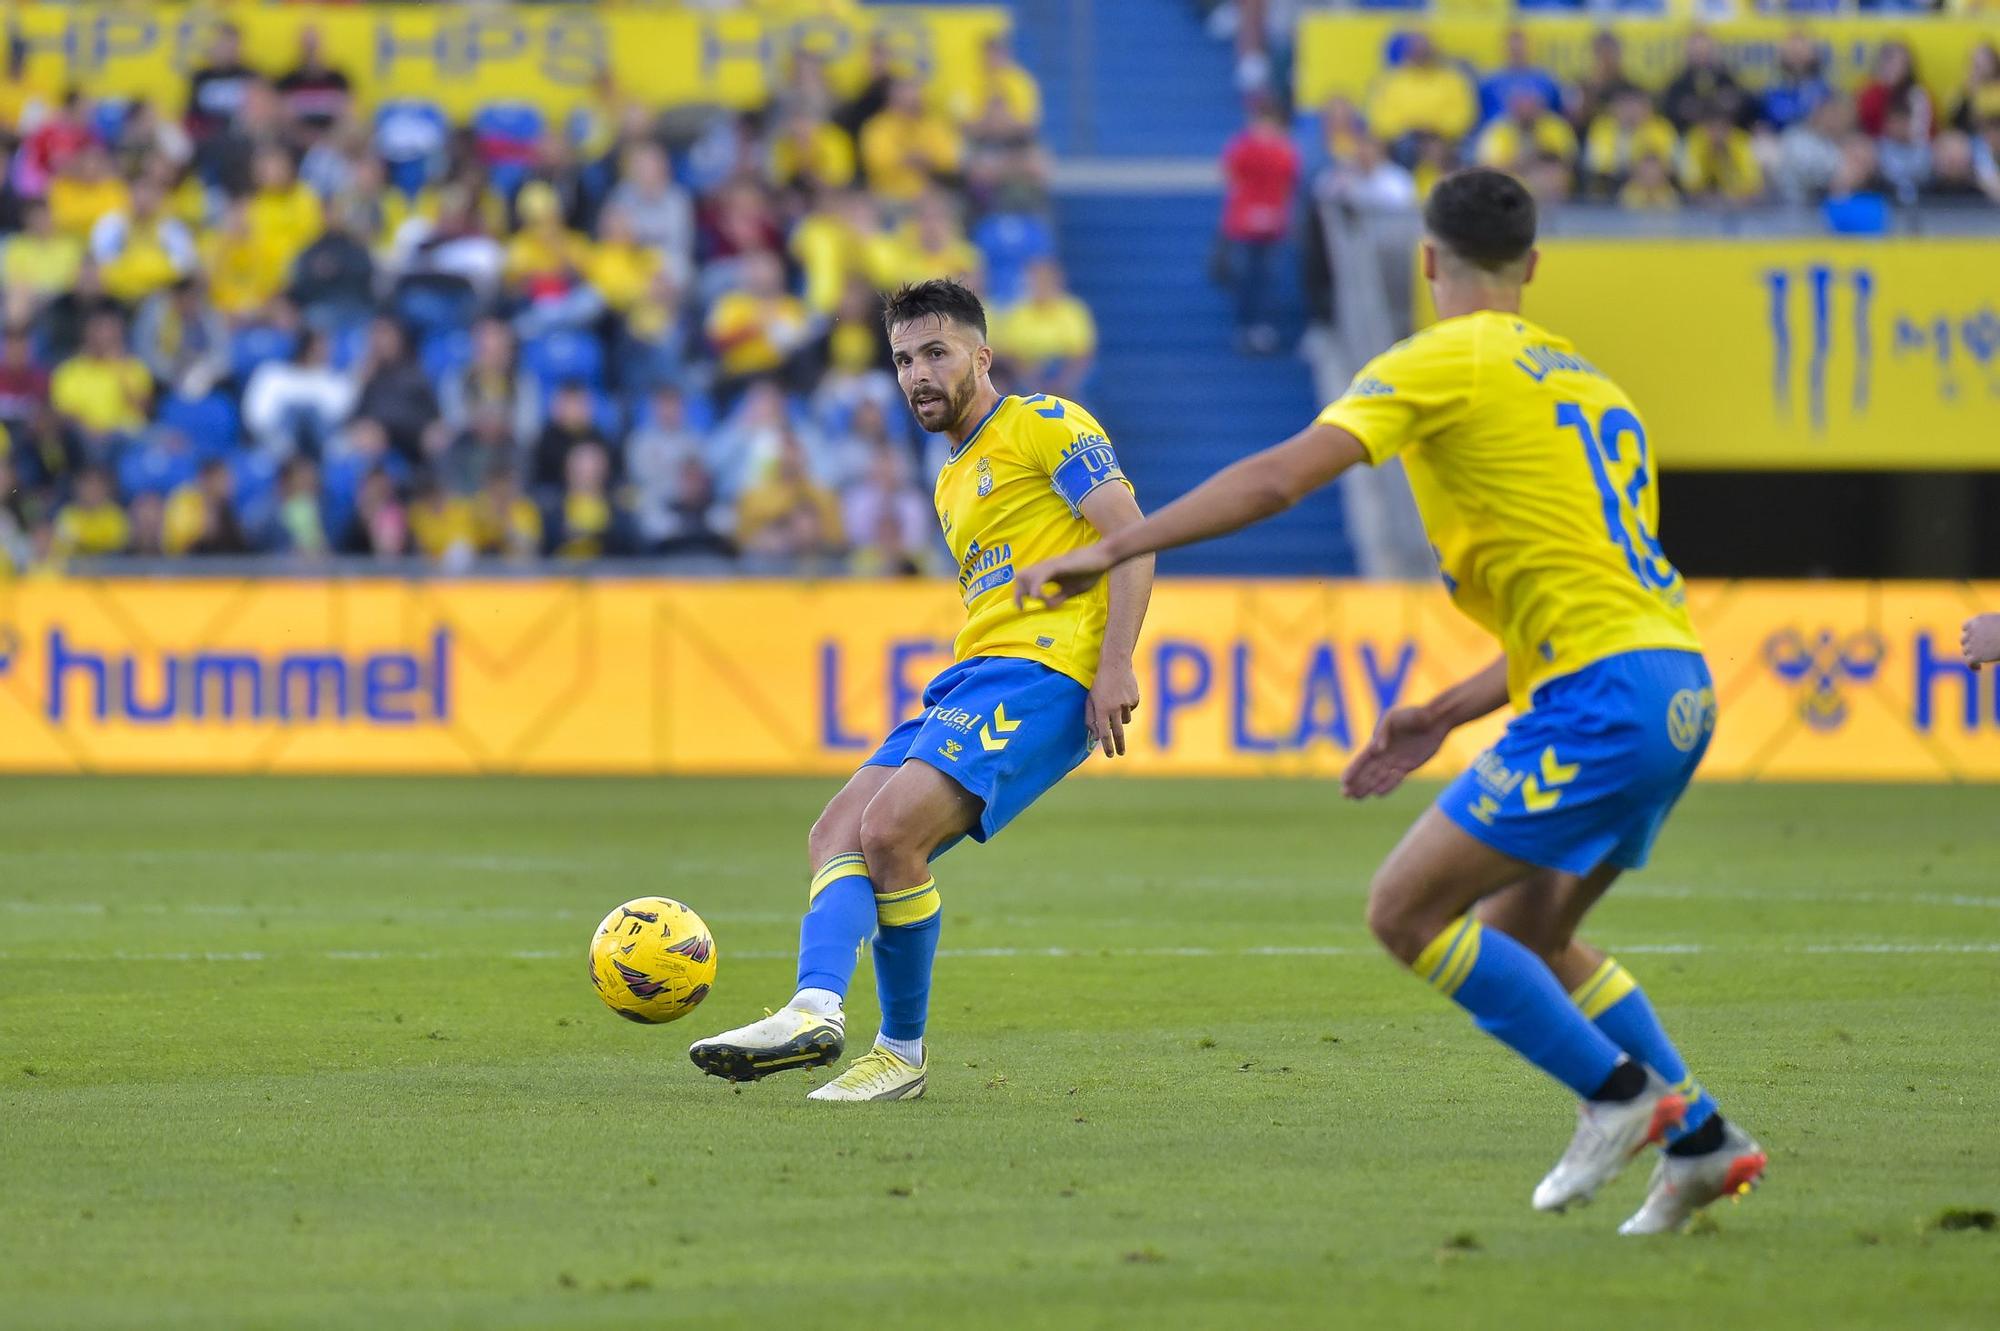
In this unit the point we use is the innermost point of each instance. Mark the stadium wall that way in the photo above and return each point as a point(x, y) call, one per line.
point(1816, 681)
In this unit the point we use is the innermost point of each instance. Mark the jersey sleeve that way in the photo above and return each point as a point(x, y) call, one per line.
point(1065, 441)
point(1404, 395)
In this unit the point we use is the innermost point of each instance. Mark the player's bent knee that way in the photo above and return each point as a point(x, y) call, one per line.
point(833, 833)
point(1403, 931)
point(891, 849)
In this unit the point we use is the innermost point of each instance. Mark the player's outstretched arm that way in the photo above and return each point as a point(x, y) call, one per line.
point(1114, 695)
point(1981, 640)
point(1407, 737)
point(1240, 494)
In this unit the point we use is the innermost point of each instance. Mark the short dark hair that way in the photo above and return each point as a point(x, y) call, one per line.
point(1483, 216)
point(940, 298)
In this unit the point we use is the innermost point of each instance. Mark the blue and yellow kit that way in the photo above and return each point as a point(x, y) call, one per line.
point(1006, 719)
point(1537, 485)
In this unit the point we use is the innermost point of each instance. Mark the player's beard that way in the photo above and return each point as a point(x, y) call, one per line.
point(957, 400)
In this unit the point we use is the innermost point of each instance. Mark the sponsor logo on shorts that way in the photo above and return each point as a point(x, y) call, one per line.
point(1498, 779)
point(1690, 715)
point(957, 718)
point(951, 749)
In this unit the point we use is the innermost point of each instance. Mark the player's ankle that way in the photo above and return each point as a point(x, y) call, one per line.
point(1708, 1137)
point(1626, 1082)
point(819, 1002)
point(910, 1051)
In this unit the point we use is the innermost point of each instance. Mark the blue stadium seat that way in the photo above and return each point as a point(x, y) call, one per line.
point(434, 302)
point(210, 423)
point(107, 119)
point(411, 134)
point(562, 356)
point(156, 463)
point(446, 352)
point(1858, 215)
point(1010, 242)
point(252, 346)
point(509, 135)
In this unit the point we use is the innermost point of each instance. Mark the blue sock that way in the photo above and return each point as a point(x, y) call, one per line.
point(838, 921)
point(1616, 1005)
point(1515, 998)
point(905, 946)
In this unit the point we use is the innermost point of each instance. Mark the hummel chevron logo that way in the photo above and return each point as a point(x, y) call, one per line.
point(1001, 724)
point(1543, 795)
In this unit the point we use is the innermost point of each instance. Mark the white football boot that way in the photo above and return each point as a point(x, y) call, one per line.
point(1683, 1184)
point(788, 1038)
point(1608, 1134)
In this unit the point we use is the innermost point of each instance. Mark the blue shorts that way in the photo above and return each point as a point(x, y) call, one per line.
point(1589, 772)
point(1004, 728)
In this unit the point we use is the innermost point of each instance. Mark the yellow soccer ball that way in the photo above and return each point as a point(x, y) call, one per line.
point(652, 960)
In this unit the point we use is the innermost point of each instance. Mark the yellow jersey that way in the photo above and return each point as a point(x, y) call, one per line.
point(1536, 482)
point(1010, 495)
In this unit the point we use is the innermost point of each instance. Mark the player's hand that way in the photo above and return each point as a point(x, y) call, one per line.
point(1108, 709)
point(1981, 640)
point(1405, 740)
point(1053, 581)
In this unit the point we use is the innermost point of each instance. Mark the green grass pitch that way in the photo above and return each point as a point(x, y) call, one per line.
point(306, 1053)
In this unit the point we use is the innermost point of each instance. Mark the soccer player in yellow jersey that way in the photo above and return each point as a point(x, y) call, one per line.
point(1535, 479)
point(1030, 690)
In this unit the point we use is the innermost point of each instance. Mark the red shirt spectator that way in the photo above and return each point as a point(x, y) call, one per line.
point(1261, 168)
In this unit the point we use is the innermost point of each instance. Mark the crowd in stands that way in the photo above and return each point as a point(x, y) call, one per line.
point(288, 323)
point(1704, 139)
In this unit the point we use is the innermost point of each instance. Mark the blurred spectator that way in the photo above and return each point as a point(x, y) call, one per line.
point(808, 154)
point(294, 406)
point(1903, 153)
point(147, 511)
point(929, 244)
point(588, 522)
point(572, 423)
point(1424, 94)
point(659, 210)
point(333, 279)
point(442, 526)
point(831, 244)
point(284, 215)
point(1367, 180)
point(1955, 175)
point(40, 262)
point(1004, 107)
point(898, 520)
point(1892, 85)
point(1551, 179)
point(92, 523)
point(316, 95)
point(872, 94)
point(17, 546)
point(1860, 171)
point(381, 526)
point(785, 516)
point(1979, 100)
point(905, 146)
point(218, 86)
point(243, 276)
point(141, 248)
point(201, 517)
point(545, 265)
point(1048, 335)
point(1518, 75)
point(1527, 131)
point(618, 267)
point(24, 385)
point(1260, 170)
point(103, 393)
point(1717, 161)
point(1704, 87)
point(301, 516)
point(1627, 131)
point(182, 339)
point(759, 329)
point(1809, 153)
point(505, 522)
point(1606, 79)
point(46, 152)
point(492, 380)
point(226, 160)
point(85, 189)
point(1650, 186)
point(394, 388)
point(461, 459)
point(1799, 87)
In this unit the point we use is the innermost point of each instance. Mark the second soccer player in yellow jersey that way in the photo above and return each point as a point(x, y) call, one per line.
point(1030, 689)
point(1535, 479)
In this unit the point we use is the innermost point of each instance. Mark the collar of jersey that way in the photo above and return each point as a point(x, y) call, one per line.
point(991, 413)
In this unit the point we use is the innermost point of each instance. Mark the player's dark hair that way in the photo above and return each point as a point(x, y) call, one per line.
point(1483, 216)
point(940, 298)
